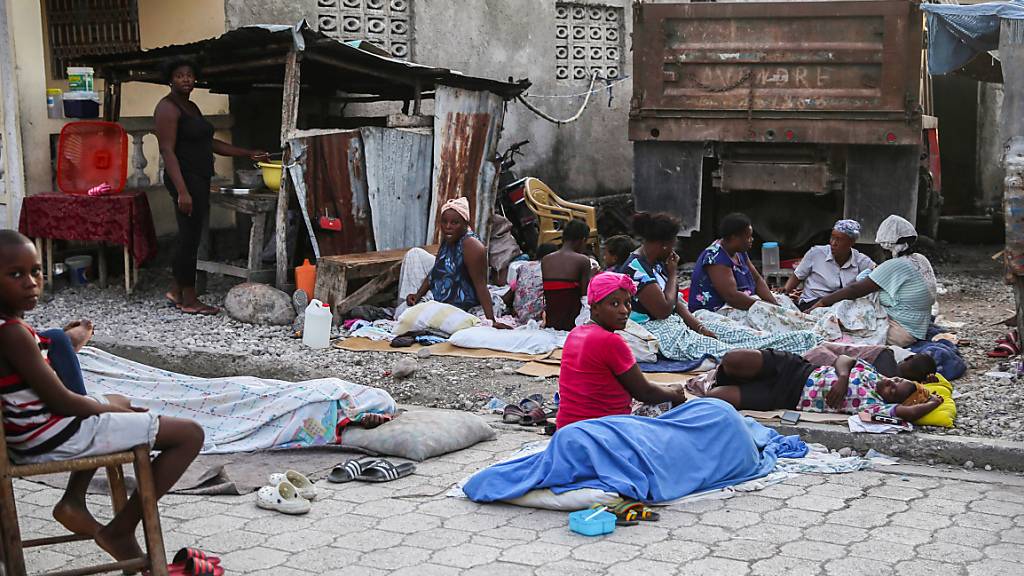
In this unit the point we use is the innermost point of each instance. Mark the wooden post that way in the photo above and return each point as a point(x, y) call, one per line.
point(13, 153)
point(1011, 53)
point(289, 119)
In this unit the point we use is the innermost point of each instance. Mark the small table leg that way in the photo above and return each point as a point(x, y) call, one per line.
point(127, 271)
point(40, 252)
point(103, 266)
point(259, 223)
point(49, 262)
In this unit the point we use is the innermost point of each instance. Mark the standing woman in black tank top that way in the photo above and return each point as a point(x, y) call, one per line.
point(187, 146)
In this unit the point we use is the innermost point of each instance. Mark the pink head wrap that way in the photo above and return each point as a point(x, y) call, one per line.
point(460, 205)
point(607, 282)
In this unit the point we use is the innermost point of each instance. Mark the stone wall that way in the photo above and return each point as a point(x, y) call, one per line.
point(509, 38)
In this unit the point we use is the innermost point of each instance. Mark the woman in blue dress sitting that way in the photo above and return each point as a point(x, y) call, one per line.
point(724, 274)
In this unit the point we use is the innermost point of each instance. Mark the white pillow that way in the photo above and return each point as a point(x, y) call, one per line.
point(569, 501)
point(520, 340)
point(436, 316)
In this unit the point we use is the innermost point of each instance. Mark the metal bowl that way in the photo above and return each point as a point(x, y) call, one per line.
point(250, 178)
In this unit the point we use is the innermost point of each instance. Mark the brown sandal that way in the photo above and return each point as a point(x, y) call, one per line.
point(200, 310)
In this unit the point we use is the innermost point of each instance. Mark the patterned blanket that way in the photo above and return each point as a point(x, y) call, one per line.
point(242, 413)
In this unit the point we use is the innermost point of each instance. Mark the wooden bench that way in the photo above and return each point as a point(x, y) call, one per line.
point(259, 207)
point(333, 274)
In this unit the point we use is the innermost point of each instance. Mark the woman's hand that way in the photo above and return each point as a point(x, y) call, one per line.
point(412, 299)
point(672, 262)
point(259, 155)
point(501, 326)
point(185, 203)
point(704, 331)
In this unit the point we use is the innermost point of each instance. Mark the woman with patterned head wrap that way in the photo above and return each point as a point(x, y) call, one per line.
point(826, 269)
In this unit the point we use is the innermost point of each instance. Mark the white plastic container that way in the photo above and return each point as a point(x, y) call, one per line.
point(769, 257)
point(316, 330)
point(80, 79)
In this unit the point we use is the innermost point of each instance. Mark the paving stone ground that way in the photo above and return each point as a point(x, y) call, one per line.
point(901, 520)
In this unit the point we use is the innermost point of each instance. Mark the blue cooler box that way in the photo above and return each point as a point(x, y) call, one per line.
point(81, 105)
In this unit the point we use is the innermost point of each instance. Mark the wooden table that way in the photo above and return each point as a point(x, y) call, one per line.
point(258, 206)
point(121, 219)
point(333, 274)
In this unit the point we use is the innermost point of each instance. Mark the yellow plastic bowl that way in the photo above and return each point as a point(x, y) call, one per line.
point(271, 174)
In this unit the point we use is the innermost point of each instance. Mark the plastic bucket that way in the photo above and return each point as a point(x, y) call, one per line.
point(271, 174)
point(77, 268)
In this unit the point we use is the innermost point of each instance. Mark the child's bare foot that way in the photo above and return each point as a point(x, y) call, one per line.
point(79, 332)
point(120, 546)
point(76, 518)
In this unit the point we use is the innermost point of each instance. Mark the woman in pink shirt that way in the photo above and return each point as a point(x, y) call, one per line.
point(599, 375)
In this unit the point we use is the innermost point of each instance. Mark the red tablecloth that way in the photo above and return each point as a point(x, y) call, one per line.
point(122, 219)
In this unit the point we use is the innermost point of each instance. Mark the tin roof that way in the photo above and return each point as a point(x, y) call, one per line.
point(253, 57)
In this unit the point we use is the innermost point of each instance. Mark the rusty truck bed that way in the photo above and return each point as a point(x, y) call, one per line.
point(816, 72)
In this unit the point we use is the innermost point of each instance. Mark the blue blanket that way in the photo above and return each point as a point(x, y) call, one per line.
point(948, 360)
point(702, 445)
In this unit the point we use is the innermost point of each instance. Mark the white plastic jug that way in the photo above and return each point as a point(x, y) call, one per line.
point(316, 331)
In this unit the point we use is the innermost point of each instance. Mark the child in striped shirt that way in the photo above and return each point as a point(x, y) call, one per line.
point(44, 420)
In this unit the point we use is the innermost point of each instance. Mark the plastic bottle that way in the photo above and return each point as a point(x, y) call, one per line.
point(770, 257)
point(305, 278)
point(316, 331)
point(54, 103)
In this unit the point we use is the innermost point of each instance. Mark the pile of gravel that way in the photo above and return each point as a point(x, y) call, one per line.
point(975, 295)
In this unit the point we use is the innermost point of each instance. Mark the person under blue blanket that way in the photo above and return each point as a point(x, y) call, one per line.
point(702, 445)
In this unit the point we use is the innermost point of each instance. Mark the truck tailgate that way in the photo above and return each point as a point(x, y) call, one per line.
point(796, 60)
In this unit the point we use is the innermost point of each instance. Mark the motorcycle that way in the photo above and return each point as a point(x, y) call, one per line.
point(511, 200)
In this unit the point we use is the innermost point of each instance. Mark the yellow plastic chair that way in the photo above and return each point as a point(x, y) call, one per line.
point(553, 212)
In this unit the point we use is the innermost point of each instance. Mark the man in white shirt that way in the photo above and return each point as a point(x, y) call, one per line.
point(826, 269)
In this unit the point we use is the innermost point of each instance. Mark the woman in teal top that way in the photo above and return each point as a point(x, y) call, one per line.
point(906, 284)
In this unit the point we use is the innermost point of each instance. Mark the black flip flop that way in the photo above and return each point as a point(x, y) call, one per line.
point(350, 470)
point(384, 471)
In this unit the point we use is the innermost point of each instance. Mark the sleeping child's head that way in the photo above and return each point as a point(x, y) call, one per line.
point(609, 296)
point(21, 274)
point(896, 390)
point(617, 250)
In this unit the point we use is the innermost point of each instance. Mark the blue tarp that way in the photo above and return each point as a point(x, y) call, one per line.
point(956, 34)
point(702, 445)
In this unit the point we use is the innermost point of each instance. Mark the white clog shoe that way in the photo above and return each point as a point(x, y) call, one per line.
point(306, 488)
point(284, 498)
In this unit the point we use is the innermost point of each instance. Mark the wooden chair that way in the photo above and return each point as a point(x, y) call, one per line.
point(12, 550)
point(553, 212)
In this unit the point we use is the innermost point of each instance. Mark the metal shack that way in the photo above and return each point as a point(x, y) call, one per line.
point(383, 176)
